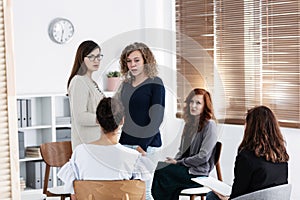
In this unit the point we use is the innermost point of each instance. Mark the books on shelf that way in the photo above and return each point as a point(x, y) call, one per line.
point(63, 134)
point(24, 112)
point(33, 151)
point(19, 113)
point(22, 184)
point(21, 144)
point(214, 184)
point(62, 120)
point(35, 173)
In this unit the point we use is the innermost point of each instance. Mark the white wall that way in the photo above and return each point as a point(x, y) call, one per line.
point(43, 66)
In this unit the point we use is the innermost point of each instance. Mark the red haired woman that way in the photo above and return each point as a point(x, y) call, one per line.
point(196, 152)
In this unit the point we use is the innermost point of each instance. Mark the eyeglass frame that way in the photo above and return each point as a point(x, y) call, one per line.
point(98, 57)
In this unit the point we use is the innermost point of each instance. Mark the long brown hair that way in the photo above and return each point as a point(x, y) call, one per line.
point(208, 111)
point(263, 136)
point(150, 67)
point(83, 50)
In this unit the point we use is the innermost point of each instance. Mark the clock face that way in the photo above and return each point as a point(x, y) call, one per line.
point(61, 30)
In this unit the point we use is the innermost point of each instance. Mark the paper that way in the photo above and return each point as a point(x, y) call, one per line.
point(214, 184)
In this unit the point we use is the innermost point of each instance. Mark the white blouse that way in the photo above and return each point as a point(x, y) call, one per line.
point(105, 162)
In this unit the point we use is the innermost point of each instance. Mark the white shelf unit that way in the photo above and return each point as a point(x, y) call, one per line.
point(45, 109)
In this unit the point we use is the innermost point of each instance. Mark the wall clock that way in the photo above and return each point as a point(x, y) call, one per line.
point(60, 30)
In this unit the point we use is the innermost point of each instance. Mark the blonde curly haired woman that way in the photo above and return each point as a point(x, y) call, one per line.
point(143, 95)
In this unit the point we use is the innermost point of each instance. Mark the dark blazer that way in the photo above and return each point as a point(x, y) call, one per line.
point(253, 173)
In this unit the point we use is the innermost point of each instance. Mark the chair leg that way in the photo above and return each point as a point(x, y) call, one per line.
point(62, 197)
point(202, 197)
point(192, 197)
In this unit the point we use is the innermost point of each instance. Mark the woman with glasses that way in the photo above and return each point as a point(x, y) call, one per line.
point(143, 96)
point(84, 93)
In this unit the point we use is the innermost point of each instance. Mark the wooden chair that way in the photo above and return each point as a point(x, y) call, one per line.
point(110, 189)
point(55, 154)
point(202, 191)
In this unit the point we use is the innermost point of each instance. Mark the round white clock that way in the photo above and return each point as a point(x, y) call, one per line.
point(61, 30)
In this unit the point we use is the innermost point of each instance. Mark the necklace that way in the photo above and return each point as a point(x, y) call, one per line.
point(98, 89)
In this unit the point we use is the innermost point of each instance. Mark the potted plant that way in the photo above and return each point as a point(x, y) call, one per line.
point(113, 80)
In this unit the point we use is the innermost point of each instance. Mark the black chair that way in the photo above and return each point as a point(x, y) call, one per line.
point(202, 191)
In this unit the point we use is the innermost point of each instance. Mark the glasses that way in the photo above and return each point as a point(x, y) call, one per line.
point(92, 57)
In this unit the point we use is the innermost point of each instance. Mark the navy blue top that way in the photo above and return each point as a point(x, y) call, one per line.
point(252, 173)
point(144, 111)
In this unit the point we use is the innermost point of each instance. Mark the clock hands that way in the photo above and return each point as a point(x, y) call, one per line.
point(62, 32)
point(62, 35)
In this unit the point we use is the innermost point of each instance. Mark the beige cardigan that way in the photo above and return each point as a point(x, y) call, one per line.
point(84, 99)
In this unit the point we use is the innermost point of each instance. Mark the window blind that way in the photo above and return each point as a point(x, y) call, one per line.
point(9, 170)
point(195, 43)
point(255, 48)
point(257, 56)
point(281, 58)
point(238, 56)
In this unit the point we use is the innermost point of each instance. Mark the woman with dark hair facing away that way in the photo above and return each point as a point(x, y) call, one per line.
point(84, 93)
point(106, 158)
point(262, 158)
point(196, 152)
point(143, 96)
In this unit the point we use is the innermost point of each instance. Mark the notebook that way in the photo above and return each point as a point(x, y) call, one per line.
point(214, 184)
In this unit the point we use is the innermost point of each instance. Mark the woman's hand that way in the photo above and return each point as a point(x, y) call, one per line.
point(171, 160)
point(139, 149)
point(73, 197)
point(221, 196)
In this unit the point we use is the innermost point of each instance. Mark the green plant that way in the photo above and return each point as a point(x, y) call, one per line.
point(113, 74)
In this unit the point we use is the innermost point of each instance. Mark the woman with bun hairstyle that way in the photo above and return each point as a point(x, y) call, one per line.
point(105, 158)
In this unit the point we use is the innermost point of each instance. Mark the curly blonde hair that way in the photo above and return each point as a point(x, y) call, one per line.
point(150, 66)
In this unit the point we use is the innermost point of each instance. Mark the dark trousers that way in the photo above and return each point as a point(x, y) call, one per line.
point(169, 180)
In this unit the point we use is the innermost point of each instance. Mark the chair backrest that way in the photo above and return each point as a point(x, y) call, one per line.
point(109, 189)
point(217, 160)
point(273, 193)
point(55, 154)
point(202, 191)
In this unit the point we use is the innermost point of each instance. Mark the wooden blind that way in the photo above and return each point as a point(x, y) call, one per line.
point(257, 56)
point(195, 43)
point(9, 171)
point(281, 58)
point(238, 56)
point(255, 47)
